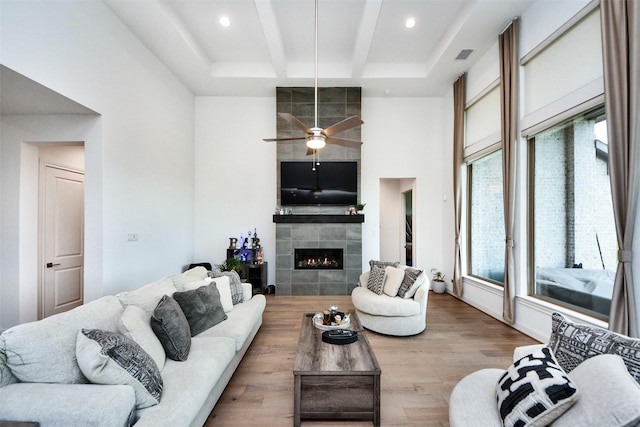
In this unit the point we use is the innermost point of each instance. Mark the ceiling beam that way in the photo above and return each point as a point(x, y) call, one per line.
point(272, 36)
point(366, 32)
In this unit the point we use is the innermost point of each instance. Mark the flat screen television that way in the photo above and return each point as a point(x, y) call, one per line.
point(331, 183)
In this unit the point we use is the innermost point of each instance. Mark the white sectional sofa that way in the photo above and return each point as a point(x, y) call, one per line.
point(42, 382)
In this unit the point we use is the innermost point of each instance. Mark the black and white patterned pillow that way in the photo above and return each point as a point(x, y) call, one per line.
point(236, 286)
point(110, 358)
point(383, 264)
point(534, 391)
point(410, 276)
point(376, 280)
point(573, 343)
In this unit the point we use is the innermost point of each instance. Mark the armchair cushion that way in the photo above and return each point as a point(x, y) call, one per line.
point(384, 305)
point(393, 277)
point(375, 282)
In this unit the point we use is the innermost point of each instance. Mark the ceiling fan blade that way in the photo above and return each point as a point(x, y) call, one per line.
point(344, 142)
point(346, 124)
point(295, 138)
point(294, 121)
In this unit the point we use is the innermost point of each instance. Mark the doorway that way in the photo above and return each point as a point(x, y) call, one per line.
point(407, 201)
point(61, 231)
point(397, 220)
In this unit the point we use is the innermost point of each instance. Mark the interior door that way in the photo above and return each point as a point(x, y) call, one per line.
point(63, 241)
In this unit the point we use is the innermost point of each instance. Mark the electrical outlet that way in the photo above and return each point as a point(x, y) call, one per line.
point(132, 237)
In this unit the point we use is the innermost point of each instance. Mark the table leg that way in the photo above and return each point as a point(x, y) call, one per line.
point(296, 400)
point(376, 400)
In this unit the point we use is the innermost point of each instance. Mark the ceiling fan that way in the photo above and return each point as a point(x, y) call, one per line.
point(316, 137)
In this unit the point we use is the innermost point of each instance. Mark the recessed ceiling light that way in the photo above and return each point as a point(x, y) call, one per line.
point(410, 22)
point(225, 21)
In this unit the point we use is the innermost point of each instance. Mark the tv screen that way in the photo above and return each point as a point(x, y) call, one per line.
point(331, 183)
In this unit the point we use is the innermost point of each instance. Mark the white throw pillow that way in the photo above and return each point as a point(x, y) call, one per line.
point(224, 288)
point(392, 280)
point(135, 323)
point(148, 296)
point(609, 396)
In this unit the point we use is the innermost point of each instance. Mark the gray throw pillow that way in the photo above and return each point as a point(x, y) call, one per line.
point(172, 328)
point(236, 286)
point(201, 307)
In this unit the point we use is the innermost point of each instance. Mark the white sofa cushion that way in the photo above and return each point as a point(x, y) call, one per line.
point(135, 323)
point(608, 394)
point(240, 322)
point(383, 305)
point(148, 296)
point(187, 384)
point(393, 277)
point(45, 351)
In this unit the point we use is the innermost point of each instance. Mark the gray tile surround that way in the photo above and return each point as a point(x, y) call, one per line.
point(334, 105)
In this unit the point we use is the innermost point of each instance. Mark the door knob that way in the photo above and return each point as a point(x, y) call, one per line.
point(50, 264)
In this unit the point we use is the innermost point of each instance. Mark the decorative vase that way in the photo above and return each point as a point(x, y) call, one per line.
point(438, 286)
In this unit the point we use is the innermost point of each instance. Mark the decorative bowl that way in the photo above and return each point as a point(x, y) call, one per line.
point(344, 323)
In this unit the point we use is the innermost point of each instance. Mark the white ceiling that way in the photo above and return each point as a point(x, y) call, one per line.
point(360, 42)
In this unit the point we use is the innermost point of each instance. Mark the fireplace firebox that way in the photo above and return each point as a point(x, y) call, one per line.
point(318, 259)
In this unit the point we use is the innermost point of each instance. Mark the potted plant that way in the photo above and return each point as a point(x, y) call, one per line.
point(437, 281)
point(231, 264)
point(360, 207)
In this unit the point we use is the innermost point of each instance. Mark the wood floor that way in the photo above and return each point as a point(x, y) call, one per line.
point(418, 373)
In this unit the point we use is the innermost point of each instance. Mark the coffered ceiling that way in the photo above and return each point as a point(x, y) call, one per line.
point(362, 43)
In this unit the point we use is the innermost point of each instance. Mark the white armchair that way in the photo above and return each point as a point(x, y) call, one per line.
point(391, 315)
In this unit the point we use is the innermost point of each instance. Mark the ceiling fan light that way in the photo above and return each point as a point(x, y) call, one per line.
point(316, 142)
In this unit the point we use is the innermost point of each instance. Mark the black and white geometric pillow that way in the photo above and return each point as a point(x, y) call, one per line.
point(534, 391)
point(573, 343)
point(410, 276)
point(376, 280)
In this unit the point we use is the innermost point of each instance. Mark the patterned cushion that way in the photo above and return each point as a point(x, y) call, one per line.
point(534, 391)
point(111, 358)
point(376, 280)
point(407, 289)
point(201, 307)
point(573, 343)
point(236, 286)
point(383, 264)
point(172, 328)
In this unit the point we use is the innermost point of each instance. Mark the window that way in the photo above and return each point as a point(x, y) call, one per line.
point(486, 218)
point(571, 223)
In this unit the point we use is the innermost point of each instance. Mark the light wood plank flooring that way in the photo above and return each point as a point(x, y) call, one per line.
point(418, 373)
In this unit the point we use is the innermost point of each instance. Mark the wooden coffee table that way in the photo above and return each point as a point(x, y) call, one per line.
point(335, 382)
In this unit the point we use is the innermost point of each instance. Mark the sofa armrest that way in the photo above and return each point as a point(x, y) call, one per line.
point(68, 404)
point(364, 278)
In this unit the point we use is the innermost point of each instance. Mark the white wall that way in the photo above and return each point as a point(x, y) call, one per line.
point(141, 168)
point(403, 138)
point(533, 316)
point(235, 180)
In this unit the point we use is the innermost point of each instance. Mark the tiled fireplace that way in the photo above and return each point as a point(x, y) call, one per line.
point(321, 228)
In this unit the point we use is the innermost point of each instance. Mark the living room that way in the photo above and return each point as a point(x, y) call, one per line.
point(186, 171)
